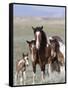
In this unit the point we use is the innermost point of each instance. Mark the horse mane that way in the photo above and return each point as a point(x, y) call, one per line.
point(57, 45)
point(44, 39)
point(58, 38)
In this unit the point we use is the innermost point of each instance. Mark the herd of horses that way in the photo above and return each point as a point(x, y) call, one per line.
point(43, 51)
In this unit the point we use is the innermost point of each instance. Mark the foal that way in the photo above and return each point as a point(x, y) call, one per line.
point(34, 57)
point(21, 67)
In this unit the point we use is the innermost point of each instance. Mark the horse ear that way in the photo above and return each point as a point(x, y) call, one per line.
point(41, 27)
point(23, 55)
point(33, 28)
point(28, 41)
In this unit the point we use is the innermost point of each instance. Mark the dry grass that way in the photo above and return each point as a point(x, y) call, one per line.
point(23, 31)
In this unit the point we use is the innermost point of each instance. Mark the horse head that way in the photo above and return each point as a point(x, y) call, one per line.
point(54, 47)
point(40, 37)
point(25, 58)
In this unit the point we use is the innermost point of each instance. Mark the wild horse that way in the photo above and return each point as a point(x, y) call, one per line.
point(41, 44)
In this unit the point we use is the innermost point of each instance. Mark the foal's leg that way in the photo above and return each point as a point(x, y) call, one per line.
point(34, 71)
point(24, 77)
point(18, 77)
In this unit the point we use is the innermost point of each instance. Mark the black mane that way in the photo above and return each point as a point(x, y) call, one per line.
point(44, 39)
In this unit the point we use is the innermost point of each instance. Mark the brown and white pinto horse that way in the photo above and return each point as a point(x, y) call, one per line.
point(61, 44)
point(58, 58)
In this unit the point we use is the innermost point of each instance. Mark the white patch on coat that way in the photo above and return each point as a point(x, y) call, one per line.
point(52, 53)
point(26, 59)
point(62, 48)
point(47, 45)
point(50, 38)
point(62, 68)
point(37, 42)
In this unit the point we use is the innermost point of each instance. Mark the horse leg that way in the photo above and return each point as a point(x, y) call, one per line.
point(34, 71)
point(17, 77)
point(24, 77)
point(47, 68)
point(58, 67)
point(43, 73)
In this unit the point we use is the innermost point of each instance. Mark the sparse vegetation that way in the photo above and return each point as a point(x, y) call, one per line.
point(23, 31)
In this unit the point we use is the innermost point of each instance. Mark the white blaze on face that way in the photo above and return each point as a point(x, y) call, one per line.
point(32, 52)
point(33, 46)
point(37, 42)
point(26, 59)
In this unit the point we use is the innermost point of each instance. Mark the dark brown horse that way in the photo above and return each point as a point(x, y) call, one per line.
point(41, 44)
point(35, 57)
